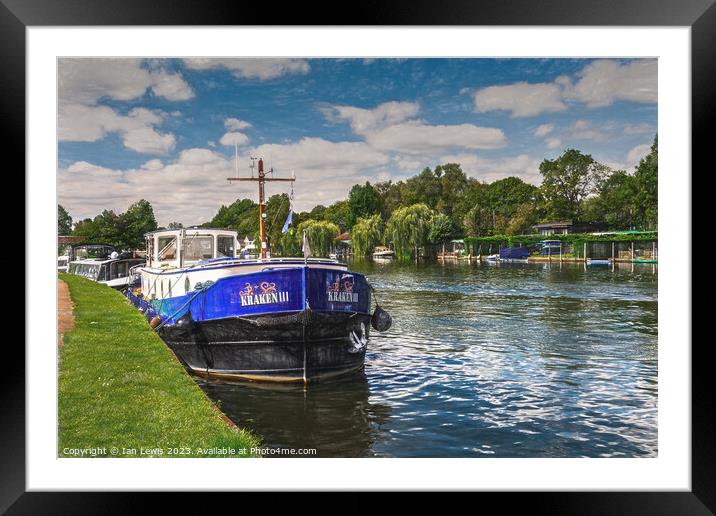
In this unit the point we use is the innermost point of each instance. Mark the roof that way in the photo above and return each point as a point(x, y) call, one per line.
point(560, 224)
point(64, 240)
point(190, 230)
point(344, 236)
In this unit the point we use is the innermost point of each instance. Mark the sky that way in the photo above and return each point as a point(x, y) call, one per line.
point(166, 130)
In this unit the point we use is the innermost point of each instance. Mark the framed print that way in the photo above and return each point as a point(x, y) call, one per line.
point(422, 255)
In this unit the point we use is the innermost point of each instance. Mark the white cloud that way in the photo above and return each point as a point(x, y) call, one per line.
point(91, 123)
point(191, 188)
point(416, 137)
point(391, 127)
point(523, 166)
point(82, 83)
point(544, 130)
point(86, 80)
point(635, 155)
point(584, 130)
point(252, 68)
point(521, 98)
point(638, 129)
point(553, 143)
point(363, 120)
point(598, 84)
point(234, 124)
point(605, 81)
point(170, 86)
point(234, 138)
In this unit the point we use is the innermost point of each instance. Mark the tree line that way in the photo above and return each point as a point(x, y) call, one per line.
point(432, 207)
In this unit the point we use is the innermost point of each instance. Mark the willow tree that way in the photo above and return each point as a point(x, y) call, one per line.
point(321, 235)
point(366, 234)
point(408, 230)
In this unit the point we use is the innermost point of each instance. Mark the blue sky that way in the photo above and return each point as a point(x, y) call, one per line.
point(164, 130)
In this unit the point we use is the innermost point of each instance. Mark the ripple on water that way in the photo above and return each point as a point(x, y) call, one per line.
point(518, 361)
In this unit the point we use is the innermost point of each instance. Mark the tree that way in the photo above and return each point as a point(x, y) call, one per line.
point(478, 221)
point(366, 234)
point(442, 229)
point(646, 178)
point(339, 213)
point(408, 229)
point(64, 221)
point(567, 181)
point(175, 225)
point(390, 197)
point(290, 242)
point(615, 204)
point(135, 223)
point(363, 201)
point(321, 235)
point(277, 208)
point(526, 215)
point(506, 195)
point(453, 182)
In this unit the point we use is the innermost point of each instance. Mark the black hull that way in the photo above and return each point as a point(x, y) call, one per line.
point(295, 347)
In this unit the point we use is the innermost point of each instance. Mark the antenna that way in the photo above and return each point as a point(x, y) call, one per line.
point(252, 162)
point(236, 158)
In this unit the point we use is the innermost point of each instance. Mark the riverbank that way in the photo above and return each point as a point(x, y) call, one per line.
point(122, 393)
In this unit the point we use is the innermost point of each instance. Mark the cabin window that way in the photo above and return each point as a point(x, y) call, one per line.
point(167, 248)
point(119, 270)
point(198, 248)
point(225, 246)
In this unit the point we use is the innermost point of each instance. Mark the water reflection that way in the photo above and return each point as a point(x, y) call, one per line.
point(513, 360)
point(335, 418)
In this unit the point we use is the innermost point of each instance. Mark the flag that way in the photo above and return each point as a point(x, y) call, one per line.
point(306, 248)
point(289, 219)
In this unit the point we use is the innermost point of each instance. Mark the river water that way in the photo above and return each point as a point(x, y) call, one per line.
point(483, 360)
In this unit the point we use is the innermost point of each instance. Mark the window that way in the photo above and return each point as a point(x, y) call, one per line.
point(225, 246)
point(119, 270)
point(167, 248)
point(198, 248)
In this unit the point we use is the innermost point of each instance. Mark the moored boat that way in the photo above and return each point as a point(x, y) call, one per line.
point(103, 264)
point(275, 319)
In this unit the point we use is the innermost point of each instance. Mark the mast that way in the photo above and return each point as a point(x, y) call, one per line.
point(261, 179)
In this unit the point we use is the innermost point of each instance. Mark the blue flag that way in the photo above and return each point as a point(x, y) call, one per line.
point(288, 221)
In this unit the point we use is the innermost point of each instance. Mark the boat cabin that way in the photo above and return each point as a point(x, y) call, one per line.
point(186, 246)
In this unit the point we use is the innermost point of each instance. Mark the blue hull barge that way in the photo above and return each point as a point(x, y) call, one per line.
point(280, 320)
point(275, 319)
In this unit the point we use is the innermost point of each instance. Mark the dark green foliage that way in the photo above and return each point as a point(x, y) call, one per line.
point(442, 229)
point(567, 181)
point(64, 221)
point(363, 201)
point(125, 231)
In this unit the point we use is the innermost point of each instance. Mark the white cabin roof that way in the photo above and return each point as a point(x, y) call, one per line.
point(192, 231)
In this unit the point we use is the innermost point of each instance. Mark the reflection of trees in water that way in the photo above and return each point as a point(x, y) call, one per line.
point(335, 417)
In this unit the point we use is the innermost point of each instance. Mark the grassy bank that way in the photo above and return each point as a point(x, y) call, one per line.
point(123, 393)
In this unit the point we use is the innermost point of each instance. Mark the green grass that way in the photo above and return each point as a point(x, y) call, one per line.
point(122, 392)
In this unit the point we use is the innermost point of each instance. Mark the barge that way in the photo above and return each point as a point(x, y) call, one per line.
point(298, 319)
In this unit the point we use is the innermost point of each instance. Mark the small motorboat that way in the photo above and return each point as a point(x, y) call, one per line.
point(102, 263)
point(383, 253)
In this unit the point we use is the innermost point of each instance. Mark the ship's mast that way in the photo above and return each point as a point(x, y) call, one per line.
point(262, 201)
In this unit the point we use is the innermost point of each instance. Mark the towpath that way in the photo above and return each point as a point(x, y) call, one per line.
point(65, 318)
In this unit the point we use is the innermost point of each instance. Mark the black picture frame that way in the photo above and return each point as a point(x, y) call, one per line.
point(700, 15)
